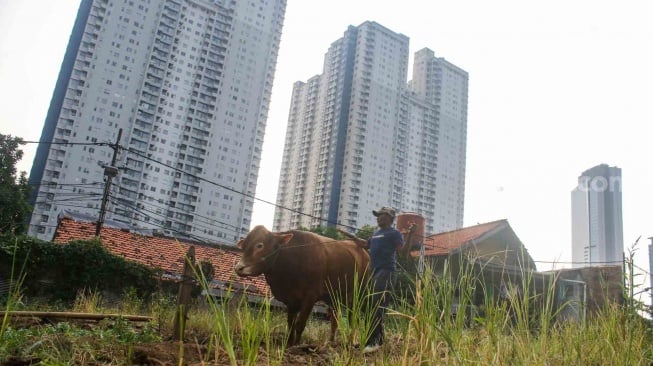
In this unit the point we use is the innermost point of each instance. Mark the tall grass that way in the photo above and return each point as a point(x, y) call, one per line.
point(434, 325)
point(354, 315)
point(14, 295)
point(525, 330)
point(237, 326)
point(438, 314)
point(88, 301)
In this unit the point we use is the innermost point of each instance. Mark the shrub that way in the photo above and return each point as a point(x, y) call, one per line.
point(58, 272)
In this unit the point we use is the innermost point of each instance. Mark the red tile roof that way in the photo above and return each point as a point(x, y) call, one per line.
point(164, 253)
point(445, 243)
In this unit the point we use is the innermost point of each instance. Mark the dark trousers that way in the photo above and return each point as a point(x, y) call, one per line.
point(383, 280)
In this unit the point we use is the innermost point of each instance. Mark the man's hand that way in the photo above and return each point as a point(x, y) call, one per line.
point(404, 250)
point(361, 243)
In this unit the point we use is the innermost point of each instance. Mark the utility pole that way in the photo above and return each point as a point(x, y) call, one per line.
point(110, 171)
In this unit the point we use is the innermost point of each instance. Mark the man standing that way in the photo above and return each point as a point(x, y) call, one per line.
point(383, 246)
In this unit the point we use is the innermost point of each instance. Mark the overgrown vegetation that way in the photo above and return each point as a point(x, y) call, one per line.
point(421, 330)
point(57, 272)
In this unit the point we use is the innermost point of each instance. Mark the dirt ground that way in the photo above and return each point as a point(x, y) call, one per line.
point(193, 353)
point(167, 353)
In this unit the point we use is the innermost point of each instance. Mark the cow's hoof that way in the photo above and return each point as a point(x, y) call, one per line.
point(303, 349)
point(371, 348)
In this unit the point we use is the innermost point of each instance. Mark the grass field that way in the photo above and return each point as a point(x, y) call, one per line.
point(422, 331)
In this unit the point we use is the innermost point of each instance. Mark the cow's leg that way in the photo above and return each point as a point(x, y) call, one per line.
point(300, 322)
point(292, 318)
point(333, 316)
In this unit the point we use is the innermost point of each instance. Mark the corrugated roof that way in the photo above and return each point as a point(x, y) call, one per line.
point(162, 252)
point(447, 242)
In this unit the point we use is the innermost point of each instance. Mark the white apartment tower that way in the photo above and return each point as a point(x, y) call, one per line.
point(359, 137)
point(442, 156)
point(188, 82)
point(596, 218)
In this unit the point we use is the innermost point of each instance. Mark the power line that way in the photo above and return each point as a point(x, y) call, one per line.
point(560, 262)
point(68, 143)
point(73, 190)
point(76, 197)
point(237, 229)
point(58, 185)
point(641, 269)
point(131, 151)
point(144, 211)
point(194, 236)
point(195, 214)
point(118, 201)
point(69, 205)
point(234, 190)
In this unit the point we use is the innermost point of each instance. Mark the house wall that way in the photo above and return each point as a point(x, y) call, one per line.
point(500, 260)
point(604, 285)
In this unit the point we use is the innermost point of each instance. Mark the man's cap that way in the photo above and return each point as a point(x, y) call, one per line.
point(384, 210)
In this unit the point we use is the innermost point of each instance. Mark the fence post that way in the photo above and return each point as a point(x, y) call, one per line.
point(183, 298)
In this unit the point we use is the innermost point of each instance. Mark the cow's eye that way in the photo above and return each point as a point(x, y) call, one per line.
point(259, 245)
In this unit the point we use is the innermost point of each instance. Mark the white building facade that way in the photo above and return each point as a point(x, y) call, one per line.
point(188, 82)
point(596, 218)
point(360, 137)
point(443, 86)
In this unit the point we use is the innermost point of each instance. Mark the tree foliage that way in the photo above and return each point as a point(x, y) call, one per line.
point(328, 231)
point(365, 232)
point(14, 191)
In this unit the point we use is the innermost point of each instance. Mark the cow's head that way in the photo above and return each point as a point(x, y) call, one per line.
point(260, 249)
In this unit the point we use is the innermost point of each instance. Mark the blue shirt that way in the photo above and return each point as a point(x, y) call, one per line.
point(383, 248)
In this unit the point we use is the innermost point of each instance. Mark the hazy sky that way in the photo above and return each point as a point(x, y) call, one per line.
point(555, 88)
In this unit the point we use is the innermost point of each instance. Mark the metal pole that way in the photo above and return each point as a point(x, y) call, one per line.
point(110, 171)
point(650, 269)
point(183, 296)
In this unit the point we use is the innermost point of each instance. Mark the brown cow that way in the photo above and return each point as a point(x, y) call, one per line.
point(301, 267)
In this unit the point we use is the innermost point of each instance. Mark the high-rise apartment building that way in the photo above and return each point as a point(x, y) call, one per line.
point(188, 82)
point(359, 136)
point(443, 86)
point(596, 218)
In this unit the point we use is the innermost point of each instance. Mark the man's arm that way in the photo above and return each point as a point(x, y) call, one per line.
point(362, 243)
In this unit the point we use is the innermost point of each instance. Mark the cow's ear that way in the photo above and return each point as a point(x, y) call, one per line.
point(286, 238)
point(240, 243)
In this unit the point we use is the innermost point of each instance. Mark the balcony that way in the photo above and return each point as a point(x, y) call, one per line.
point(68, 112)
point(170, 13)
point(153, 81)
